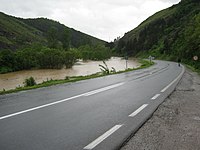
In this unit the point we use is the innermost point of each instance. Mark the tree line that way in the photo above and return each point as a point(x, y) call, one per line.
point(43, 57)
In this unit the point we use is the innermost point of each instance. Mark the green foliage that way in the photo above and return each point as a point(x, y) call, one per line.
point(52, 35)
point(95, 52)
point(25, 59)
point(50, 58)
point(38, 56)
point(34, 57)
point(29, 82)
point(5, 40)
point(70, 57)
point(4, 69)
point(7, 61)
point(66, 38)
point(15, 33)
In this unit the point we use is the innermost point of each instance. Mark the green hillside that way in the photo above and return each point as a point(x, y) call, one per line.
point(14, 33)
point(77, 38)
point(169, 34)
point(17, 32)
point(43, 43)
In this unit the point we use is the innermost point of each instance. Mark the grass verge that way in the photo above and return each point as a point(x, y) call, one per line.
point(144, 64)
point(192, 68)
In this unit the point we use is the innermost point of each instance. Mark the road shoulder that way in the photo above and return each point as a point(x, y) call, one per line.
point(175, 124)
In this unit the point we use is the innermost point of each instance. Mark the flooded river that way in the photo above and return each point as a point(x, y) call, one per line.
point(15, 79)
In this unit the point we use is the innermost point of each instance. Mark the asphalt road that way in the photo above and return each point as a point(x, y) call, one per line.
point(98, 113)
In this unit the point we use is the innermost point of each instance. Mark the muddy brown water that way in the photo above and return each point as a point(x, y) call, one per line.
point(16, 79)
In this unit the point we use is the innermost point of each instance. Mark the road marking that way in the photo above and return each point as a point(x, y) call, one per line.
point(60, 101)
point(102, 137)
point(155, 96)
point(163, 90)
point(103, 89)
point(39, 107)
point(138, 110)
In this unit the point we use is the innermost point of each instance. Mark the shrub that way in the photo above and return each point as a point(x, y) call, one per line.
point(30, 82)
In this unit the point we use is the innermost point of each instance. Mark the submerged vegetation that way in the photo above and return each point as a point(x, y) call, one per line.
point(105, 70)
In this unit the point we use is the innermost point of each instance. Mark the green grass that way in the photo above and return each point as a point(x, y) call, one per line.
point(192, 68)
point(144, 64)
point(5, 40)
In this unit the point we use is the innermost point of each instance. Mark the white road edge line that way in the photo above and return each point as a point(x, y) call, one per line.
point(60, 101)
point(39, 107)
point(138, 110)
point(102, 137)
point(155, 96)
point(163, 90)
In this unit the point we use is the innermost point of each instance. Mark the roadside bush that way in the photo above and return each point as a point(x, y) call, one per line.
point(30, 82)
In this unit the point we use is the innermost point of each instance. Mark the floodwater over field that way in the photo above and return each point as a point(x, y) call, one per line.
point(81, 68)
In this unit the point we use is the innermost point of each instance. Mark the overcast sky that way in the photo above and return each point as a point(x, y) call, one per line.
point(104, 19)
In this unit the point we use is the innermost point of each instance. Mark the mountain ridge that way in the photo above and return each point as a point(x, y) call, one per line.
point(171, 33)
point(16, 32)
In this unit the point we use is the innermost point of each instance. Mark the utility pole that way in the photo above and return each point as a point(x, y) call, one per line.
point(150, 58)
point(126, 58)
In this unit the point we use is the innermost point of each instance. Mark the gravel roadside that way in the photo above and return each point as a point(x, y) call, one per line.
point(175, 125)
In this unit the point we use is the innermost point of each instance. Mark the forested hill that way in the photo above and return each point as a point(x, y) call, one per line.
point(17, 32)
point(77, 38)
point(171, 33)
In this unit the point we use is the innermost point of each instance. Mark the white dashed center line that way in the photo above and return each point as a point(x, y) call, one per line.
point(102, 137)
point(156, 96)
point(103, 89)
point(138, 110)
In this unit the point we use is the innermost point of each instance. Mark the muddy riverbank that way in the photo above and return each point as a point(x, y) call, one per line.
point(15, 79)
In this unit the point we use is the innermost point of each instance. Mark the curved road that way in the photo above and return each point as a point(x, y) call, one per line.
point(97, 114)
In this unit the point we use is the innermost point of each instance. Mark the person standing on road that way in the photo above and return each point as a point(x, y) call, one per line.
point(179, 62)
